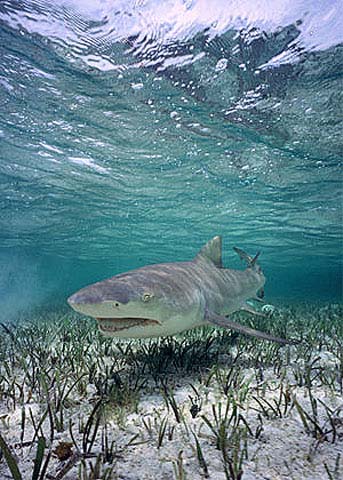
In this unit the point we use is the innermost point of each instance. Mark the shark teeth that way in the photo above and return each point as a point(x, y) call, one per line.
point(118, 324)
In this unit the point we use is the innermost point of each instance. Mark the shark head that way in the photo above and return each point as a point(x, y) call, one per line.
point(135, 304)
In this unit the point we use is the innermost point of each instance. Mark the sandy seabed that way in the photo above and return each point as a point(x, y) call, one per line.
point(208, 404)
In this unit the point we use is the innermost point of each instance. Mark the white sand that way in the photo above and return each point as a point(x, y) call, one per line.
point(284, 451)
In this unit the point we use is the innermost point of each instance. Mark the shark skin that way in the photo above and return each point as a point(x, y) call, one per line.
point(168, 298)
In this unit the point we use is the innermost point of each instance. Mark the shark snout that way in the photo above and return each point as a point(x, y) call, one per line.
point(103, 299)
point(92, 302)
point(84, 298)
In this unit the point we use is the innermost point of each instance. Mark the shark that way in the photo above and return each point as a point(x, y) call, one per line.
point(168, 298)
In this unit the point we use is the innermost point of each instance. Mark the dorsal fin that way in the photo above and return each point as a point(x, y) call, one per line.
point(212, 251)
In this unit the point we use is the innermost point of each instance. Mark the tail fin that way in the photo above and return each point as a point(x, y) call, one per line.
point(250, 261)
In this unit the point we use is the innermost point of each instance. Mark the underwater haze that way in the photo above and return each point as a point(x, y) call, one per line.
point(131, 132)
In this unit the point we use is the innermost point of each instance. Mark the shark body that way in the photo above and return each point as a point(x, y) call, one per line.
point(168, 298)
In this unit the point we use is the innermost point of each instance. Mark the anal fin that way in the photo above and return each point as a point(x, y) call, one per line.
point(258, 299)
point(248, 308)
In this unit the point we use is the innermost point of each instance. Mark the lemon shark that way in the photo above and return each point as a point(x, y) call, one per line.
point(168, 298)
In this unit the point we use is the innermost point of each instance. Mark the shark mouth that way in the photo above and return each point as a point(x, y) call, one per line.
point(118, 324)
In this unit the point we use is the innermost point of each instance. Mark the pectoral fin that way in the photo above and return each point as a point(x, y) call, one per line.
point(222, 321)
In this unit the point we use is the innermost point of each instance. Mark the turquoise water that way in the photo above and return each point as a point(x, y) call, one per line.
point(133, 132)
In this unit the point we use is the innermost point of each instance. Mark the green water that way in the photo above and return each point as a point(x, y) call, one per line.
point(119, 149)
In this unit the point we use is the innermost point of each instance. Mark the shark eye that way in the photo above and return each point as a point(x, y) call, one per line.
point(147, 297)
point(115, 304)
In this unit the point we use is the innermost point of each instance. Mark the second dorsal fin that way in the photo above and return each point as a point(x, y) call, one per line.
point(250, 261)
point(212, 251)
